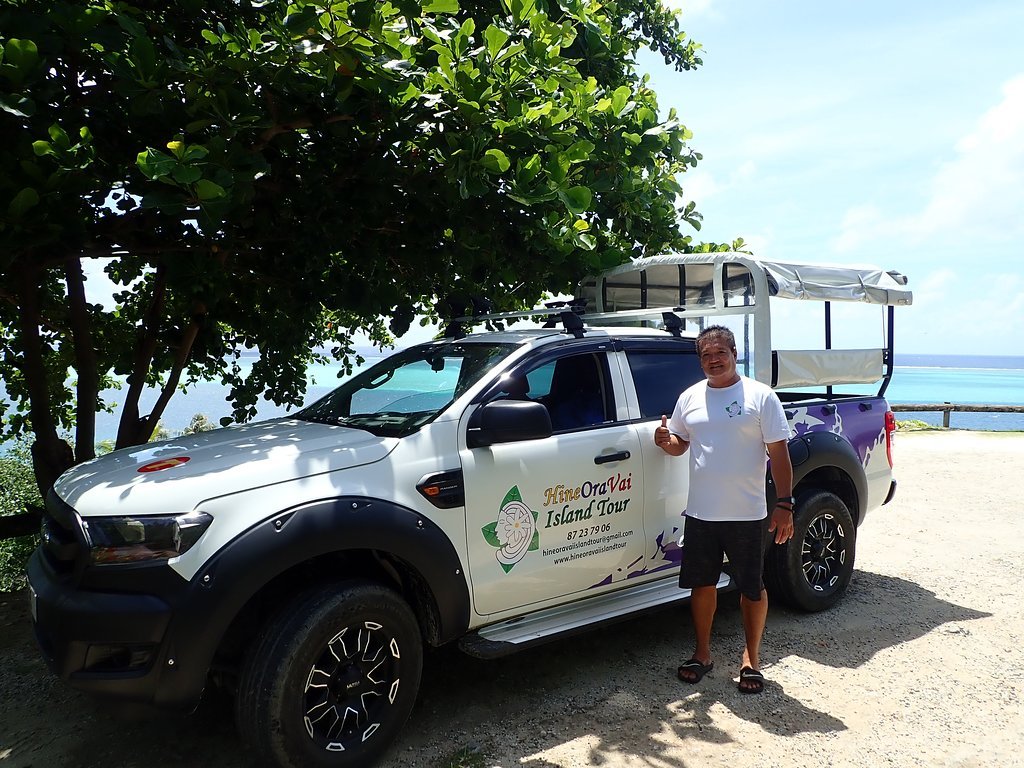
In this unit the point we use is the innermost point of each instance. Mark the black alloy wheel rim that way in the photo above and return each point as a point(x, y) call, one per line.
point(351, 686)
point(823, 555)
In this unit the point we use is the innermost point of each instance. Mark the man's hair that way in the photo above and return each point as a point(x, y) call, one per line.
point(719, 332)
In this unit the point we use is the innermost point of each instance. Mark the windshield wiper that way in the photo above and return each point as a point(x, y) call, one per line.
point(336, 421)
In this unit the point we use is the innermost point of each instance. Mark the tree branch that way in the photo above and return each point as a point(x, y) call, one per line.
point(22, 524)
point(276, 129)
point(184, 350)
point(129, 427)
point(11, 299)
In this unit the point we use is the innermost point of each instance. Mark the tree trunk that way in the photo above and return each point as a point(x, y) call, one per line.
point(87, 394)
point(51, 455)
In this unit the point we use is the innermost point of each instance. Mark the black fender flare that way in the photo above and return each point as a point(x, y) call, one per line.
point(226, 583)
point(817, 450)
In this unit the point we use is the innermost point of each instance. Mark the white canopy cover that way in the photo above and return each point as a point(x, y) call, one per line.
point(818, 282)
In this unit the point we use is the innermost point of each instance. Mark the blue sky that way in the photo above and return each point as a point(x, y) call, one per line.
point(880, 133)
point(868, 133)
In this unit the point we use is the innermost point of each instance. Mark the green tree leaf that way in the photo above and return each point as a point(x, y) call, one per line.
point(59, 137)
point(495, 161)
point(209, 190)
point(577, 199)
point(580, 151)
point(22, 54)
point(155, 164)
point(16, 104)
point(526, 171)
point(620, 97)
point(186, 174)
point(440, 6)
point(496, 39)
point(522, 10)
point(20, 204)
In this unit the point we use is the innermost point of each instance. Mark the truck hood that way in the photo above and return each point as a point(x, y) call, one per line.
point(176, 475)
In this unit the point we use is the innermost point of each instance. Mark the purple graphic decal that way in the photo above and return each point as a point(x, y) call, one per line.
point(862, 434)
point(816, 418)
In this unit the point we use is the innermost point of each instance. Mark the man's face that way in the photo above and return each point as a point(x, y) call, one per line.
point(718, 361)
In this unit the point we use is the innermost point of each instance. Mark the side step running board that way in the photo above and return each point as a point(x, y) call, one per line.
point(514, 635)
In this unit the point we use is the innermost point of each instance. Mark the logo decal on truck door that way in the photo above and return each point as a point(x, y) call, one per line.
point(515, 532)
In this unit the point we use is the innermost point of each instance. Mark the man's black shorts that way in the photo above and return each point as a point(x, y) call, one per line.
point(705, 542)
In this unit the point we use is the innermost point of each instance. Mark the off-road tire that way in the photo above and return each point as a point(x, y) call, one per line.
point(331, 680)
point(811, 571)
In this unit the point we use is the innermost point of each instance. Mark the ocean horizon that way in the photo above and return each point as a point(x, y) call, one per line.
point(917, 379)
point(1000, 362)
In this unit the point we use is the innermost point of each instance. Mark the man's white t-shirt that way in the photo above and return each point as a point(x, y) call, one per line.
point(727, 429)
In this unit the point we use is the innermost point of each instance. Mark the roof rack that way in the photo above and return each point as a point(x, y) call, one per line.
point(568, 313)
point(574, 321)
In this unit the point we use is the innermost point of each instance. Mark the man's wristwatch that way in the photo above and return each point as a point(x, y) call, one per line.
point(786, 500)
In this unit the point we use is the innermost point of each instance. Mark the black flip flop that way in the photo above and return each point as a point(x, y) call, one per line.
point(694, 667)
point(753, 678)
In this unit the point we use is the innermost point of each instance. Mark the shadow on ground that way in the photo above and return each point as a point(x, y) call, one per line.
point(613, 688)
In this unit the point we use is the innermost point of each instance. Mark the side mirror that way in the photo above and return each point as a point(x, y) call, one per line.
point(508, 421)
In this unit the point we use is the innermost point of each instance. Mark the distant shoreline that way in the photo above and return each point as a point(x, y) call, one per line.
point(994, 362)
point(902, 359)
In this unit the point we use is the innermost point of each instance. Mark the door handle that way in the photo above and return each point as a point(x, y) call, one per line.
point(609, 457)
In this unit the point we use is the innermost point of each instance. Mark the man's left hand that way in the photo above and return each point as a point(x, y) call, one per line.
point(781, 524)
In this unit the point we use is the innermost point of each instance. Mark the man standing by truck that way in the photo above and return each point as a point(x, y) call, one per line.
point(728, 422)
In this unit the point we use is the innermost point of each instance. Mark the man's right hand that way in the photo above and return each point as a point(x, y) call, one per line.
point(671, 444)
point(662, 437)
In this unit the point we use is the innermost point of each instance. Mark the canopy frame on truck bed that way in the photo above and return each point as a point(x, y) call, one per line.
point(708, 285)
point(696, 288)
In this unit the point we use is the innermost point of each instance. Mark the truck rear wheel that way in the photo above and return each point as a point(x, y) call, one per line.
point(811, 571)
point(332, 679)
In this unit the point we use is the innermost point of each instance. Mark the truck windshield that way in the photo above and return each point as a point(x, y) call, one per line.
point(403, 392)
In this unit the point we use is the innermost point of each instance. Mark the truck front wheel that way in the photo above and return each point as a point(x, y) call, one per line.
point(811, 571)
point(332, 679)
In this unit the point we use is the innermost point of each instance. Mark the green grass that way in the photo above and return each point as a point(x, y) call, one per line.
point(17, 490)
point(464, 758)
point(916, 425)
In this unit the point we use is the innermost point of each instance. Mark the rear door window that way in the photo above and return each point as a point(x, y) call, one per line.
point(659, 376)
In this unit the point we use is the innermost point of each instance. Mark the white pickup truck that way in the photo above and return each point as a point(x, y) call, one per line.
point(493, 489)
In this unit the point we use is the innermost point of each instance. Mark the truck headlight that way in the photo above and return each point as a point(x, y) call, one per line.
point(114, 540)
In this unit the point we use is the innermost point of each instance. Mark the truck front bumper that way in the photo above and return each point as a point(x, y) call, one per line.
point(112, 644)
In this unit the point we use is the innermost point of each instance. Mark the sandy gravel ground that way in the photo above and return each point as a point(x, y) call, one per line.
point(919, 665)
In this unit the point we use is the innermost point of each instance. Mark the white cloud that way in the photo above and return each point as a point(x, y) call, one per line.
point(978, 194)
point(983, 187)
point(760, 245)
point(860, 223)
point(956, 312)
point(699, 185)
